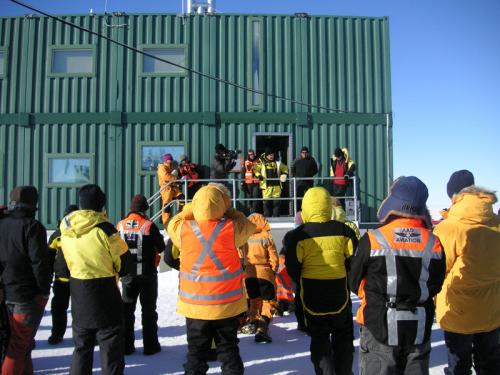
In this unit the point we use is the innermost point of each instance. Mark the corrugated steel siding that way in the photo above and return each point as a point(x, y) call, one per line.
point(338, 62)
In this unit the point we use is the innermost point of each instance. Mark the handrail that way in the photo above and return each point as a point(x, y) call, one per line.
point(233, 183)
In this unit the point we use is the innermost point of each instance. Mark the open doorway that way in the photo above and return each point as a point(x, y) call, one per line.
point(282, 144)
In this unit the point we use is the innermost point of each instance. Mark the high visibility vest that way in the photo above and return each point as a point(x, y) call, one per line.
point(284, 289)
point(132, 229)
point(210, 269)
point(249, 176)
point(414, 243)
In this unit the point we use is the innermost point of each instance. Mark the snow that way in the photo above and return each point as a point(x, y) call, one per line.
point(287, 354)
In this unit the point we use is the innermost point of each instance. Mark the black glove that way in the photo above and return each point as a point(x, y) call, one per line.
point(260, 177)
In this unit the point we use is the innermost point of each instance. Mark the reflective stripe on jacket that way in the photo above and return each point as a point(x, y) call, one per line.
point(132, 230)
point(210, 272)
point(404, 270)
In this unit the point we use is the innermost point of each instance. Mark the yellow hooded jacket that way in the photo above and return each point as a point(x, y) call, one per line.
point(210, 203)
point(316, 253)
point(469, 301)
point(92, 249)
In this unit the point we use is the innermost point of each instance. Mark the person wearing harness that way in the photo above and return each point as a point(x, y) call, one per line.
point(261, 264)
point(60, 287)
point(396, 271)
point(250, 183)
point(96, 255)
point(208, 233)
point(316, 256)
point(145, 242)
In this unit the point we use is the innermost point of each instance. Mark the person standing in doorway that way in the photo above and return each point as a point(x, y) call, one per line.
point(303, 167)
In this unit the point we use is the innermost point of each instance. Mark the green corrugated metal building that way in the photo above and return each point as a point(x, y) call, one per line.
point(75, 108)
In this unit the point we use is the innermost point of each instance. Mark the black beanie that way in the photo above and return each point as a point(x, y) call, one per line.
point(70, 209)
point(24, 196)
point(139, 203)
point(220, 148)
point(338, 153)
point(91, 197)
point(459, 180)
point(268, 151)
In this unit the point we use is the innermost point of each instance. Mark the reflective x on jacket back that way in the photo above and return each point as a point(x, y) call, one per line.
point(396, 271)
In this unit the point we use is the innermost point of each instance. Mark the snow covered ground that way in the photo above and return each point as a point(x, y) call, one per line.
point(288, 354)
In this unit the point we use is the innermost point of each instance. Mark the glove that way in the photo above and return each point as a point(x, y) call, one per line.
point(260, 178)
point(174, 173)
point(283, 178)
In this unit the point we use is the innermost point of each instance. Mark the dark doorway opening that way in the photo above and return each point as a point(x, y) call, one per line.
point(281, 145)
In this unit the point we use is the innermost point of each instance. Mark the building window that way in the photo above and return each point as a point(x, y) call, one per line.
point(152, 155)
point(256, 45)
point(69, 170)
point(3, 63)
point(69, 61)
point(176, 55)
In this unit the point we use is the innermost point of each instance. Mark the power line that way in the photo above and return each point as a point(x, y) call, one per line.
point(190, 70)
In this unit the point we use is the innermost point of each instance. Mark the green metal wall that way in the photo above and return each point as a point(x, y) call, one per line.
point(337, 62)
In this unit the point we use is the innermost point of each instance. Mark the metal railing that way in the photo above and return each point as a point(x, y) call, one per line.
point(233, 185)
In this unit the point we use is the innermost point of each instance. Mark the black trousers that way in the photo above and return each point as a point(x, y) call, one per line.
point(255, 193)
point(144, 288)
point(272, 207)
point(110, 340)
point(299, 309)
point(200, 334)
point(302, 187)
point(332, 342)
point(59, 307)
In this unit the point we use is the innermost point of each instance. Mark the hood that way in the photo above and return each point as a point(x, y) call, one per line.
point(338, 214)
point(347, 157)
point(317, 206)
point(80, 222)
point(260, 222)
point(210, 203)
point(473, 204)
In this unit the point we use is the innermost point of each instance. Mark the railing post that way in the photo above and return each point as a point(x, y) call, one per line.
point(294, 196)
point(234, 192)
point(185, 188)
point(355, 199)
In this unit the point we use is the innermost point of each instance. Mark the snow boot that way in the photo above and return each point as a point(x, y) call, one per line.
point(250, 328)
point(262, 334)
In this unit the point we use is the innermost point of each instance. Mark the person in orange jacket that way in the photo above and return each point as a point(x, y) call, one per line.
point(167, 174)
point(207, 234)
point(261, 264)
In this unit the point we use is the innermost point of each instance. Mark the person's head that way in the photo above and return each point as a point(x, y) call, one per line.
point(91, 197)
point(269, 153)
point(220, 149)
point(251, 155)
point(183, 159)
point(24, 197)
point(458, 181)
point(304, 152)
point(139, 204)
point(316, 205)
point(338, 154)
point(168, 159)
point(211, 202)
point(407, 198)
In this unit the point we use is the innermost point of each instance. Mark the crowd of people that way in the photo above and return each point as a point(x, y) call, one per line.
point(233, 277)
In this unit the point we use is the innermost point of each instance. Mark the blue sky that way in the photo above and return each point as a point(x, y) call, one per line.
point(445, 62)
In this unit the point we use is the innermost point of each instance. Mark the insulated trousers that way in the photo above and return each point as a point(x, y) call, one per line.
point(200, 334)
point(24, 320)
point(59, 307)
point(110, 340)
point(332, 342)
point(144, 288)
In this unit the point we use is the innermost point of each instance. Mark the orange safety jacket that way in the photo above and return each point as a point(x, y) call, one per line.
point(284, 290)
point(132, 230)
point(210, 269)
point(189, 170)
point(408, 266)
point(249, 175)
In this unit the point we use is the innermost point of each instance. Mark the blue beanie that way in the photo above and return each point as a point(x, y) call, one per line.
point(459, 180)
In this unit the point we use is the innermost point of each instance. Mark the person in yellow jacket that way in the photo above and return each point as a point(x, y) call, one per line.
point(167, 175)
point(96, 255)
point(271, 174)
point(261, 265)
point(208, 233)
point(468, 306)
point(316, 255)
point(338, 214)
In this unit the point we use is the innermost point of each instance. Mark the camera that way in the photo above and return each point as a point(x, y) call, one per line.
point(231, 154)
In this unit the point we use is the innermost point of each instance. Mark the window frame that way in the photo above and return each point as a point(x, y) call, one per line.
point(140, 145)
point(5, 51)
point(142, 73)
point(79, 47)
point(74, 155)
point(251, 105)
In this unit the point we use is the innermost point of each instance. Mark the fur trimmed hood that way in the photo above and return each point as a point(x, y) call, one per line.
point(473, 203)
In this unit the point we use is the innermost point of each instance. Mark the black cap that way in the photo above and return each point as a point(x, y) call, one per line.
point(91, 197)
point(338, 153)
point(304, 148)
point(24, 196)
point(268, 151)
point(139, 203)
point(219, 148)
point(459, 180)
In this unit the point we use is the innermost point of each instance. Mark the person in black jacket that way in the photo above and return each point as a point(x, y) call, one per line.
point(26, 275)
point(303, 167)
point(145, 242)
point(60, 288)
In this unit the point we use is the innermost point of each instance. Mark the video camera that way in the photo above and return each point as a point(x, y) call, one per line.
point(231, 154)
